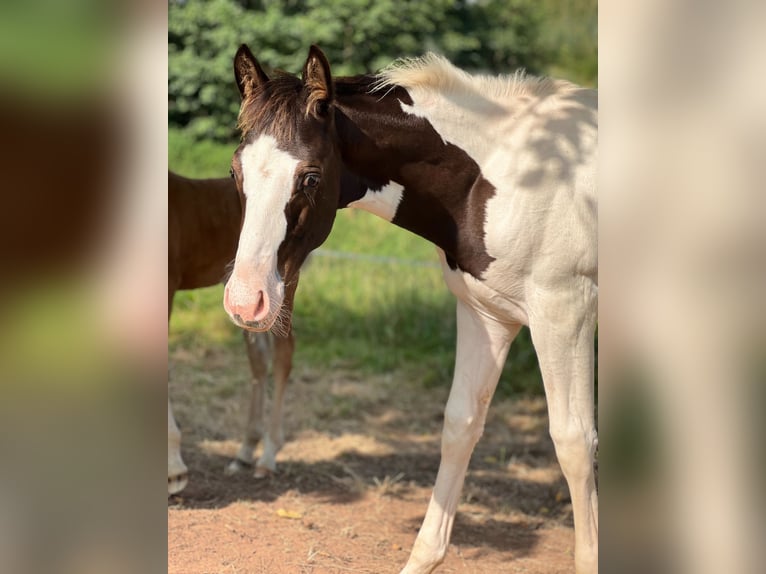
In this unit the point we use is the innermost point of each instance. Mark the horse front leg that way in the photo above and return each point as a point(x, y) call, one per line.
point(563, 332)
point(482, 346)
point(282, 364)
point(257, 345)
point(274, 437)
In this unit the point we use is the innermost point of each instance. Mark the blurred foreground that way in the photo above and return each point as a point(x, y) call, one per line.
point(682, 313)
point(82, 280)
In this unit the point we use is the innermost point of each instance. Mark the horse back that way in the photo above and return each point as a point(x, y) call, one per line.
point(541, 225)
point(203, 229)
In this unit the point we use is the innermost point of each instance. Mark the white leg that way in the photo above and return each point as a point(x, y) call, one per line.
point(562, 330)
point(482, 346)
point(177, 471)
point(257, 345)
point(274, 437)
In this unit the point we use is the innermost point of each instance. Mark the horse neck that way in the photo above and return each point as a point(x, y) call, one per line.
point(381, 146)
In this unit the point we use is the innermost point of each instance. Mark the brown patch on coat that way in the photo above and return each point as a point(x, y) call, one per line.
point(445, 194)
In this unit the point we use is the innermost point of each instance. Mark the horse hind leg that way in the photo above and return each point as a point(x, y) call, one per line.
point(482, 346)
point(178, 474)
point(563, 335)
point(274, 437)
point(257, 346)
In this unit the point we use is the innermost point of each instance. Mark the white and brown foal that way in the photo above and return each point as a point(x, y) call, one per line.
point(499, 173)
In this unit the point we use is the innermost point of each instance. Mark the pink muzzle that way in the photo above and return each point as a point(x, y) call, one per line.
point(253, 310)
point(250, 303)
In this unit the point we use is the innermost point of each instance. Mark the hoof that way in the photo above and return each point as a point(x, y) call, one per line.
point(236, 466)
point(264, 471)
point(177, 483)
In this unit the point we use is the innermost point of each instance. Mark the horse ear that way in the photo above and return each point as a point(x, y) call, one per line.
point(318, 80)
point(248, 71)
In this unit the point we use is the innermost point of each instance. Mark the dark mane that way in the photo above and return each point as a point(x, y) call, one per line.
point(355, 85)
point(369, 85)
point(273, 108)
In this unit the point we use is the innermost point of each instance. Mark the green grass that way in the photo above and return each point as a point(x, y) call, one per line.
point(192, 158)
point(386, 310)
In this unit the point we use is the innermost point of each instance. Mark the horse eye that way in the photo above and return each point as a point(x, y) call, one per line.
point(231, 173)
point(310, 180)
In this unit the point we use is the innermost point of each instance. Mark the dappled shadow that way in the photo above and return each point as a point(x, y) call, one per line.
point(563, 142)
point(412, 456)
point(559, 160)
point(209, 487)
point(350, 476)
point(505, 536)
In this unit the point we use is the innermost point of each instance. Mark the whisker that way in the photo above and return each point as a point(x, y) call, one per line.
point(281, 326)
point(227, 271)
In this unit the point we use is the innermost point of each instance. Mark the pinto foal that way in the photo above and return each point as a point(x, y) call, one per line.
point(499, 173)
point(204, 216)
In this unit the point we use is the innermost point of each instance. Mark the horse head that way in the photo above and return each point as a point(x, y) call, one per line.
point(288, 170)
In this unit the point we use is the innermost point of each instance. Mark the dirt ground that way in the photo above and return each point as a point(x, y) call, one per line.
point(354, 480)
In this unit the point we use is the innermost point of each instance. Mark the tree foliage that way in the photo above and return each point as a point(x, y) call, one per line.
point(360, 36)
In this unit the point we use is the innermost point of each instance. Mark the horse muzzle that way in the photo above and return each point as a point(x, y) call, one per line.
point(250, 307)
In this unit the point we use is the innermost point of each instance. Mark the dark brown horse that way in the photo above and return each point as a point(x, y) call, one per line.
point(204, 217)
point(499, 173)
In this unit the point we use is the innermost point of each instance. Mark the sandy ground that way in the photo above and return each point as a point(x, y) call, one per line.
point(354, 480)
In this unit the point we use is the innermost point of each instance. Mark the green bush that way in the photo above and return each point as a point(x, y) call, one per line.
point(362, 36)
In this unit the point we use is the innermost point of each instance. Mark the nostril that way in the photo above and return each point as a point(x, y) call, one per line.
point(261, 306)
point(246, 308)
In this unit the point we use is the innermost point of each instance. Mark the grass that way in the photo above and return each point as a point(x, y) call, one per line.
point(380, 308)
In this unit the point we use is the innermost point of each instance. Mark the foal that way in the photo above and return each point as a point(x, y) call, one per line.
point(204, 217)
point(498, 173)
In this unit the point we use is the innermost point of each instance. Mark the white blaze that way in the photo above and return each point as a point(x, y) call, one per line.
point(268, 179)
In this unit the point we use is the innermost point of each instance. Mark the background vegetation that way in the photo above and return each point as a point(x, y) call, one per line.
point(372, 299)
point(545, 36)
